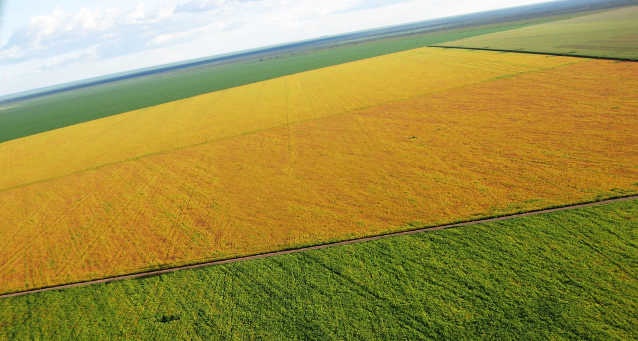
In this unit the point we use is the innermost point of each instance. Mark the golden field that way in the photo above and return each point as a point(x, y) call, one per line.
point(251, 108)
point(491, 134)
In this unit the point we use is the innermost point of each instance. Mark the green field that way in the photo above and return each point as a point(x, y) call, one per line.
point(68, 108)
point(564, 275)
point(609, 34)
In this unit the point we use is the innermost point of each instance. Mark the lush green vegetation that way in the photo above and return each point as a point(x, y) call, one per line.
point(565, 275)
point(608, 34)
point(64, 109)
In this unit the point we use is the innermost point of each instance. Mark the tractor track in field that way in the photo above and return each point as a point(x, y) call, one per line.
point(556, 54)
point(150, 273)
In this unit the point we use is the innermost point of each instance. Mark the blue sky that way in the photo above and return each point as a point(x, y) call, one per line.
point(46, 42)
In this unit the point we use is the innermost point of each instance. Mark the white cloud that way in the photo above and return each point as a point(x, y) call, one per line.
point(112, 31)
point(200, 5)
point(85, 54)
point(168, 38)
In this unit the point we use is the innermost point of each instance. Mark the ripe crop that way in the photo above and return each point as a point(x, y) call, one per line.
point(251, 108)
point(419, 138)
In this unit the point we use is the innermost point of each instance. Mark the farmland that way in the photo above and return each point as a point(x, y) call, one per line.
point(60, 110)
point(609, 34)
point(274, 103)
point(417, 138)
point(566, 275)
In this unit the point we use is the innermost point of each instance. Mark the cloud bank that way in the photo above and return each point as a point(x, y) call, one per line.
point(112, 32)
point(74, 43)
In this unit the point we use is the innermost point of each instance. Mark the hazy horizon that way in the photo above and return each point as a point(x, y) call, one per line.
point(74, 40)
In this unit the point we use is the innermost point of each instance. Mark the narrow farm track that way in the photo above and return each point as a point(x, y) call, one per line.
point(584, 56)
point(315, 247)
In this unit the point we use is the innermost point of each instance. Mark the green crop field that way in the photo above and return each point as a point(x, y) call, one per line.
point(563, 275)
point(68, 108)
point(609, 34)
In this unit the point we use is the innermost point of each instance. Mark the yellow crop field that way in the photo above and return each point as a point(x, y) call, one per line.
point(251, 108)
point(485, 134)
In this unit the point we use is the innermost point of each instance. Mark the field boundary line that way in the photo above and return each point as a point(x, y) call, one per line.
point(150, 273)
point(556, 54)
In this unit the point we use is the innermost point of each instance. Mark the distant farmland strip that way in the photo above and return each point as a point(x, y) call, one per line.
point(540, 137)
point(609, 34)
point(64, 109)
point(564, 275)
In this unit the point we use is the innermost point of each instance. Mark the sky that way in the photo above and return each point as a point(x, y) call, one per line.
point(45, 42)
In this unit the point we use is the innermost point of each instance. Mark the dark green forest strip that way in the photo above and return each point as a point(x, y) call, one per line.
point(562, 275)
point(535, 52)
point(42, 114)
